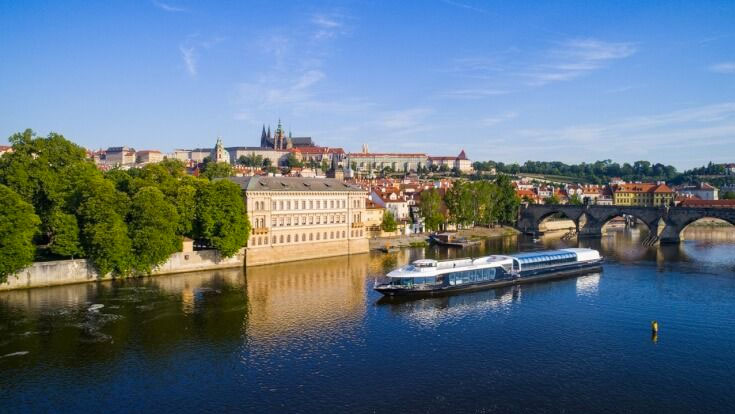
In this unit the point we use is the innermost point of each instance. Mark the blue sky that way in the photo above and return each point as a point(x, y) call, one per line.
point(508, 81)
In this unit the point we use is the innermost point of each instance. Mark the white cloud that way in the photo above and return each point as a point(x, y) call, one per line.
point(577, 57)
point(464, 6)
point(168, 7)
point(190, 49)
point(328, 26)
point(190, 59)
point(477, 93)
point(724, 67)
point(668, 135)
point(494, 120)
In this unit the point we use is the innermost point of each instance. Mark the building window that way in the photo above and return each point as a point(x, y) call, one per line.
point(280, 205)
point(280, 239)
point(331, 204)
point(274, 239)
point(303, 237)
point(303, 220)
point(318, 219)
point(311, 236)
point(325, 235)
point(343, 234)
point(273, 207)
point(317, 236)
point(288, 238)
point(311, 204)
point(311, 219)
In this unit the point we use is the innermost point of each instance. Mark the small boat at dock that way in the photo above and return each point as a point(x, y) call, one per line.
point(451, 240)
point(427, 277)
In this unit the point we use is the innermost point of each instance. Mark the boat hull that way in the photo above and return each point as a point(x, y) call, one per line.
point(526, 276)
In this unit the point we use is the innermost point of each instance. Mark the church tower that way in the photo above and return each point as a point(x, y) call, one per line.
point(220, 154)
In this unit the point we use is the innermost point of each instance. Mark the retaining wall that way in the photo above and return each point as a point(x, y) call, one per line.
point(63, 272)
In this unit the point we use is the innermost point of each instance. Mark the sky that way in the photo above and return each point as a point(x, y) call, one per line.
point(507, 81)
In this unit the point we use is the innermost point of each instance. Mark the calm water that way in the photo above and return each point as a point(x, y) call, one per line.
point(314, 337)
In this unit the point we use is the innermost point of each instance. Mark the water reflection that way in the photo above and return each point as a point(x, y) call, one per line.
point(282, 334)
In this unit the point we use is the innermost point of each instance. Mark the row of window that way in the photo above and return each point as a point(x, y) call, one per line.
point(307, 204)
point(283, 221)
point(296, 238)
point(472, 276)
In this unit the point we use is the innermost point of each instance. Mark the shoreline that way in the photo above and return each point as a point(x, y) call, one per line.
point(379, 243)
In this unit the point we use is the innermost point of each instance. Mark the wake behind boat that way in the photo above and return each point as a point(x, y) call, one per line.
point(429, 277)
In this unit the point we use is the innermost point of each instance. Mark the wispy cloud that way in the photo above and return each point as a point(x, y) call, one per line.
point(659, 136)
point(474, 93)
point(727, 68)
point(574, 58)
point(190, 50)
point(188, 53)
point(168, 7)
point(328, 25)
point(497, 119)
point(464, 6)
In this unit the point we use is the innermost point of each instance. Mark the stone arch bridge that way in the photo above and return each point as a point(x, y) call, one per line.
point(674, 219)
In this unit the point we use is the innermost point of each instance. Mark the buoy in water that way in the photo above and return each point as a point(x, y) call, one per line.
point(654, 326)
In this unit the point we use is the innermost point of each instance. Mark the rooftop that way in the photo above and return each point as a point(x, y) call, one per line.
point(292, 184)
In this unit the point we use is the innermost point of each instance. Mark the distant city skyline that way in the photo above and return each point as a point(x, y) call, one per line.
point(510, 82)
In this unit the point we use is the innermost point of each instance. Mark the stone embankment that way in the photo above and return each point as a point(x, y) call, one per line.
point(64, 272)
point(378, 243)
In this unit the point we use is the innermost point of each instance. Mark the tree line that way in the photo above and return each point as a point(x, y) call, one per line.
point(470, 203)
point(58, 205)
point(598, 172)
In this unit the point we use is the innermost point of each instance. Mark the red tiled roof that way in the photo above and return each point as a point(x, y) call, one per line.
point(691, 202)
point(385, 154)
point(643, 188)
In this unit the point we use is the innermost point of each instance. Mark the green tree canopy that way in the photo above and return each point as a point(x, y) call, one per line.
point(389, 222)
point(430, 207)
point(104, 233)
point(18, 225)
point(214, 170)
point(575, 200)
point(221, 221)
point(553, 199)
point(152, 225)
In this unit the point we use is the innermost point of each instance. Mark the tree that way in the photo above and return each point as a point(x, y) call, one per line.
point(324, 166)
point(460, 200)
point(104, 234)
point(430, 208)
point(575, 200)
point(293, 162)
point(389, 222)
point(553, 199)
point(18, 224)
point(65, 234)
point(729, 195)
point(221, 221)
point(152, 225)
point(214, 170)
point(38, 170)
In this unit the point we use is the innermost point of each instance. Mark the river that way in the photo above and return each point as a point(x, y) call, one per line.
point(313, 337)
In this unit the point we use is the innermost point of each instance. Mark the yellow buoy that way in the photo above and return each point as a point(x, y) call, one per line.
point(654, 326)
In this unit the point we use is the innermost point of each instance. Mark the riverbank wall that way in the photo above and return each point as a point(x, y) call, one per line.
point(64, 272)
point(378, 243)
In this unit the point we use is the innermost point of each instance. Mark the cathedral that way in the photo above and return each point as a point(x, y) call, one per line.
point(279, 141)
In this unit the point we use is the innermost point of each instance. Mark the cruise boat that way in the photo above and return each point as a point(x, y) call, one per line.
point(427, 277)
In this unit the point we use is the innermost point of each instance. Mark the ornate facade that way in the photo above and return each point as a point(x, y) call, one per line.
point(302, 218)
point(280, 141)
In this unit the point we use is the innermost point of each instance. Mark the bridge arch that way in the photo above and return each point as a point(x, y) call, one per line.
point(683, 225)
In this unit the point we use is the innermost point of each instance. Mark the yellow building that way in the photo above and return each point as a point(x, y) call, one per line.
point(643, 194)
point(296, 218)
